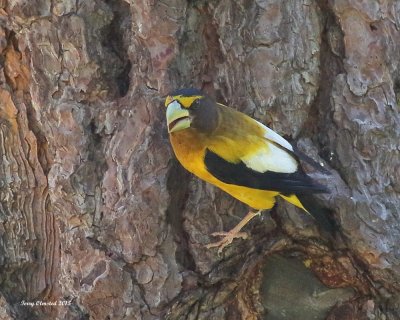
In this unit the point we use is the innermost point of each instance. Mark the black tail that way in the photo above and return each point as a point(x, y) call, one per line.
point(302, 156)
point(322, 215)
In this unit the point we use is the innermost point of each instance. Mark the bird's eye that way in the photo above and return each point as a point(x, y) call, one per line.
point(195, 104)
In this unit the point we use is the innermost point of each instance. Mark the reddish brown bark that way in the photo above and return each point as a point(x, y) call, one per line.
point(96, 213)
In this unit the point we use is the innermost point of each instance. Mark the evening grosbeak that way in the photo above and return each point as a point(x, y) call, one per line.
point(235, 153)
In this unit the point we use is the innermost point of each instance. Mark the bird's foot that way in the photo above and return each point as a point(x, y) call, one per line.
point(226, 240)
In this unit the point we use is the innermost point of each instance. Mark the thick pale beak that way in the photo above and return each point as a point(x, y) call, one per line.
point(177, 117)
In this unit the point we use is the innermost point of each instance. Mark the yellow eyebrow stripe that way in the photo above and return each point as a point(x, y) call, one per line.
point(168, 100)
point(186, 102)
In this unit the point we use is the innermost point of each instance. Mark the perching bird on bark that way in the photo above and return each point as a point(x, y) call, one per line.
point(235, 153)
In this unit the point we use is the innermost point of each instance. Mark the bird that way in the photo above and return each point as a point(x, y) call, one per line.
point(235, 153)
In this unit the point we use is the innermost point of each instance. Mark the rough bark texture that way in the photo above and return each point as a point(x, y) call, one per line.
point(94, 210)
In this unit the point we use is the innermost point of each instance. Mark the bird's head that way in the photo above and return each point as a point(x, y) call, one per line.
point(190, 108)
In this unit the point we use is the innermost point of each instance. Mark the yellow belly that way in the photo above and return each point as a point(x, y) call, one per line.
point(190, 153)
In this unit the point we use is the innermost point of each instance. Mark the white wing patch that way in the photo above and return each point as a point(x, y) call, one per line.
point(273, 136)
point(271, 158)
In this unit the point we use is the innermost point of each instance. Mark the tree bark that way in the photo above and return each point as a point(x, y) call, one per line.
point(99, 221)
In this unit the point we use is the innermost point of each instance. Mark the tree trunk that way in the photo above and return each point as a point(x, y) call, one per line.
point(99, 221)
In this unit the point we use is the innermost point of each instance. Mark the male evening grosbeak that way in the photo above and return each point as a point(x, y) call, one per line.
point(235, 153)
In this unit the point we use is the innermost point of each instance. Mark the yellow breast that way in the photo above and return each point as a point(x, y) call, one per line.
point(190, 150)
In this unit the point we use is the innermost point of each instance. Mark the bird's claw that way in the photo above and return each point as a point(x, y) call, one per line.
point(226, 240)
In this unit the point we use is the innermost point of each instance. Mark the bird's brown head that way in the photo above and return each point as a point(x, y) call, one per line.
point(190, 108)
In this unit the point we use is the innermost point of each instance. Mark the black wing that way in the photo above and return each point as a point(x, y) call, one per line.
point(239, 174)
